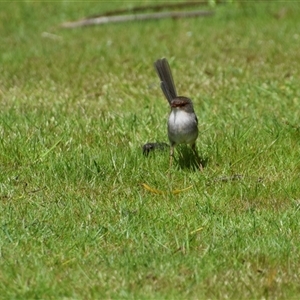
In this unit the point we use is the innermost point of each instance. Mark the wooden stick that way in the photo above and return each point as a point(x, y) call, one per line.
point(136, 17)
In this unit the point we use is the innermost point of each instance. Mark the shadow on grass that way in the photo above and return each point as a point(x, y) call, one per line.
point(184, 156)
point(187, 159)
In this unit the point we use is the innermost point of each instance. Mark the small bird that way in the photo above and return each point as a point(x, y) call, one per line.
point(182, 122)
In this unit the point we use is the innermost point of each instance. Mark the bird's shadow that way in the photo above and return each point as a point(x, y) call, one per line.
point(186, 158)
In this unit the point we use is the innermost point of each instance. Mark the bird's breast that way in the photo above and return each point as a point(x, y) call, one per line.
point(182, 127)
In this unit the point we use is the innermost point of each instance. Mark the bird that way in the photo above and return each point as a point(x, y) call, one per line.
point(182, 121)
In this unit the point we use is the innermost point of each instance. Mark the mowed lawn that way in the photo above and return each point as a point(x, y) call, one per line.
point(85, 215)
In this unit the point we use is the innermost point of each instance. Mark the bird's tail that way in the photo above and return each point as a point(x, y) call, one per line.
point(167, 83)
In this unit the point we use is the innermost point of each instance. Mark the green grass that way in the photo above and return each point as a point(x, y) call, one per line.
point(76, 222)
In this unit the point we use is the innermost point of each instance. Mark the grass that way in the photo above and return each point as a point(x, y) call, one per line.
point(76, 222)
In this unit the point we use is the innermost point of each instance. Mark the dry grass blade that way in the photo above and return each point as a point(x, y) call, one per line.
point(137, 17)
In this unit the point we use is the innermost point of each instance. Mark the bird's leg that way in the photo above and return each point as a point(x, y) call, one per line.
point(194, 149)
point(171, 155)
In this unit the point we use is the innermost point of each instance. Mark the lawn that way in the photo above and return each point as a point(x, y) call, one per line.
point(85, 215)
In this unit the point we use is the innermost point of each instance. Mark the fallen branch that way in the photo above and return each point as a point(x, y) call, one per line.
point(137, 17)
